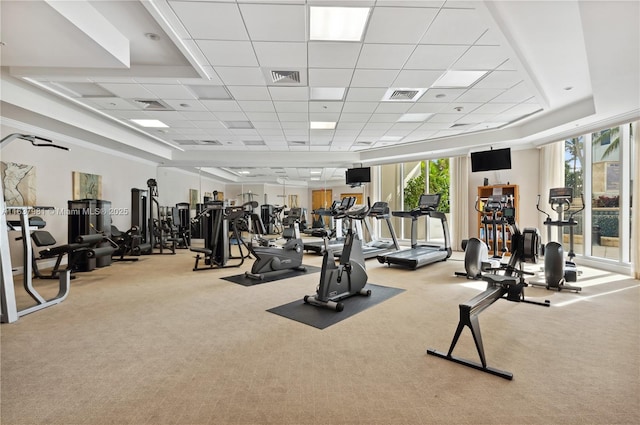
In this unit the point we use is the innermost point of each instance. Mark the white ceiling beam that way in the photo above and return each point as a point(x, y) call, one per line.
point(87, 19)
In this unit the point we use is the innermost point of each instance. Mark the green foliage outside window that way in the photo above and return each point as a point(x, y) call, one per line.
point(438, 183)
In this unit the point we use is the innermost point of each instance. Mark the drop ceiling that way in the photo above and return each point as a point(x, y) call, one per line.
point(236, 82)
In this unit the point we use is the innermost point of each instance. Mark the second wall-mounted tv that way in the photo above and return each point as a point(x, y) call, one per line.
point(495, 159)
point(355, 176)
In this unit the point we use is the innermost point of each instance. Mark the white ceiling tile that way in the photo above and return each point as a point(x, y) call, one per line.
point(499, 80)
point(289, 106)
point(332, 55)
point(384, 56)
point(270, 123)
point(256, 105)
point(523, 109)
point(373, 78)
point(393, 107)
point(164, 115)
point(238, 76)
point(489, 38)
point(365, 94)
point(330, 77)
point(479, 95)
point(198, 116)
point(405, 127)
point(271, 54)
point(186, 105)
point(445, 118)
point(293, 116)
point(110, 103)
point(209, 124)
point(475, 118)
point(482, 57)
point(378, 126)
point(129, 91)
point(349, 127)
point(249, 93)
point(398, 24)
point(455, 26)
point(425, 107)
point(433, 95)
point(228, 53)
point(221, 105)
point(168, 91)
point(385, 117)
point(437, 4)
point(324, 117)
point(213, 21)
point(326, 106)
point(289, 93)
point(298, 127)
point(493, 108)
point(359, 106)
point(516, 94)
point(231, 116)
point(354, 117)
point(274, 22)
point(429, 56)
point(416, 79)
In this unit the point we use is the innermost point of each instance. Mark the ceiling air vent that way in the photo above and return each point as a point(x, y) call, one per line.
point(285, 77)
point(253, 142)
point(403, 94)
point(297, 143)
point(152, 105)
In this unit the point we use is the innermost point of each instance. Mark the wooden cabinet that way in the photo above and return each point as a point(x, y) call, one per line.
point(512, 195)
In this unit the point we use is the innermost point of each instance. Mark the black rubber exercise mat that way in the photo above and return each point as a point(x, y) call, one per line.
point(321, 318)
point(243, 280)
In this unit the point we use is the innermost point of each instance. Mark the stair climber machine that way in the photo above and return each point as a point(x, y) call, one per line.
point(337, 213)
point(557, 271)
point(349, 276)
point(421, 255)
point(270, 259)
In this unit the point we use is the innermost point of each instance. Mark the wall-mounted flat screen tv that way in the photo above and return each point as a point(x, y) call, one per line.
point(495, 159)
point(358, 175)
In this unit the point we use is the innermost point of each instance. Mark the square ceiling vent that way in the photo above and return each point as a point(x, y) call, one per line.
point(403, 95)
point(152, 105)
point(285, 77)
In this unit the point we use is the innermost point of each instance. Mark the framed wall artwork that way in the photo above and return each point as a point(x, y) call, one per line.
point(19, 184)
point(86, 186)
point(193, 198)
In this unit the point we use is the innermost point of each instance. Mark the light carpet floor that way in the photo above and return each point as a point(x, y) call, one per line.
point(153, 342)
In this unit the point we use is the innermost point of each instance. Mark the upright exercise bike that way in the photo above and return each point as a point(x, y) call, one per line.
point(349, 276)
point(270, 259)
point(557, 271)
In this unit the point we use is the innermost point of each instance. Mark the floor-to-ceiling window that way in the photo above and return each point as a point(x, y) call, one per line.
point(599, 166)
point(401, 186)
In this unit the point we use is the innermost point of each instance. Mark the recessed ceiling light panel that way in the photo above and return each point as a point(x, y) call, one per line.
point(337, 23)
point(322, 125)
point(326, 93)
point(458, 79)
point(414, 117)
point(150, 123)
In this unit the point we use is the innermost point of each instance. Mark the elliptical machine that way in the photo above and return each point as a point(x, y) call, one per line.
point(271, 259)
point(333, 286)
point(557, 271)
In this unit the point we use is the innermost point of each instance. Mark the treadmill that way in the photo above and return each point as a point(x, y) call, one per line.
point(318, 247)
point(375, 247)
point(421, 255)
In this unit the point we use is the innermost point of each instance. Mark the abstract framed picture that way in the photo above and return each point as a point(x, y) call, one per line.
point(19, 183)
point(86, 186)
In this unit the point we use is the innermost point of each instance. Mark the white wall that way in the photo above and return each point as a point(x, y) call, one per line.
point(524, 172)
point(174, 185)
point(119, 174)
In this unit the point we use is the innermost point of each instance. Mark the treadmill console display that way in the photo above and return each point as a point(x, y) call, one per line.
point(429, 201)
point(379, 208)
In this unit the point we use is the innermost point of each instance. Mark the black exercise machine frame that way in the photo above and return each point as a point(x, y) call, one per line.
point(505, 286)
